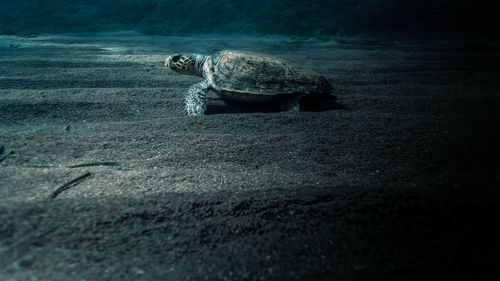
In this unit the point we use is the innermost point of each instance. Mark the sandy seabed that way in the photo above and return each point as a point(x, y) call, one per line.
point(397, 179)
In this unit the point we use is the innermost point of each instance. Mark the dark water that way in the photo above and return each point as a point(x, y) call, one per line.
point(387, 18)
point(396, 179)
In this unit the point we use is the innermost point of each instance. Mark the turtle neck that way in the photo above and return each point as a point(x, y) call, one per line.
point(199, 62)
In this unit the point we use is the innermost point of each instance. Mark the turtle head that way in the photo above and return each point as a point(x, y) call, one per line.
point(186, 64)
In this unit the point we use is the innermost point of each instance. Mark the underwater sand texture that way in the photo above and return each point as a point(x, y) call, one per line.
point(395, 180)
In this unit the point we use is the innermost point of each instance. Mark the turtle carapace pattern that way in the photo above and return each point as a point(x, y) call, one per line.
point(246, 77)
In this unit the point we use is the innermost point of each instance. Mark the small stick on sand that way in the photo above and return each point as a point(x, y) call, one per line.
point(4, 156)
point(95, 164)
point(68, 185)
point(40, 166)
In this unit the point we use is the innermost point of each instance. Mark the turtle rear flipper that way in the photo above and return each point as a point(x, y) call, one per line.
point(290, 104)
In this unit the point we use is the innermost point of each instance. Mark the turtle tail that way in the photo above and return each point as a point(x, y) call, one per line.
point(327, 86)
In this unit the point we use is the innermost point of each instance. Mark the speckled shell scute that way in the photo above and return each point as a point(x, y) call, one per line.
point(256, 74)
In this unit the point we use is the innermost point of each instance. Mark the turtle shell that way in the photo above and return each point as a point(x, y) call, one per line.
point(251, 76)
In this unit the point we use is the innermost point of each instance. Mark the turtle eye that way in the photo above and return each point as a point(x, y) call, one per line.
point(176, 58)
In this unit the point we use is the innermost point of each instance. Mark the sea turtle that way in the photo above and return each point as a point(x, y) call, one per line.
point(247, 77)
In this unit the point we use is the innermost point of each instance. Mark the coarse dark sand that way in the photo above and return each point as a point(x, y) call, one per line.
point(395, 180)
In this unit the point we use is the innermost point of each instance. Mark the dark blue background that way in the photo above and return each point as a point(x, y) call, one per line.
point(390, 18)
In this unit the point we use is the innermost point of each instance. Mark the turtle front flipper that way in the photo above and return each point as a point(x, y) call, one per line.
point(195, 100)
